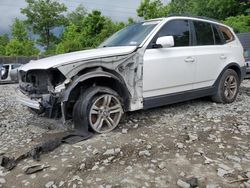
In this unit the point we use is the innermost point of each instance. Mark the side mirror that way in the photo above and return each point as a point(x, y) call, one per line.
point(166, 41)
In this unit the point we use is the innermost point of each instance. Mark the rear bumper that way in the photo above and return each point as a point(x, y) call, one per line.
point(26, 101)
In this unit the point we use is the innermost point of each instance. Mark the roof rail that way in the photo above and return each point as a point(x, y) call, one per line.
point(190, 15)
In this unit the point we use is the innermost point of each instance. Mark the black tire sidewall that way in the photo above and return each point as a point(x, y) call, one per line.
point(86, 100)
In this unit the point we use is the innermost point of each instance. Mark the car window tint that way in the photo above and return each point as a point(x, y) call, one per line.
point(179, 29)
point(228, 36)
point(217, 37)
point(204, 33)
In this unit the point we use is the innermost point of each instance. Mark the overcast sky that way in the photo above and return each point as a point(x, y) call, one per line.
point(116, 9)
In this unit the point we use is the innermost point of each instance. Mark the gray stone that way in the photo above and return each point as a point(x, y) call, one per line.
point(221, 172)
point(234, 158)
point(247, 185)
point(109, 152)
point(212, 186)
point(144, 153)
point(2, 181)
point(124, 131)
point(162, 165)
point(193, 181)
point(49, 184)
point(183, 184)
point(248, 174)
point(180, 145)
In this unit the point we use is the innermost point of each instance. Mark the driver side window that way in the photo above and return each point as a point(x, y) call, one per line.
point(179, 29)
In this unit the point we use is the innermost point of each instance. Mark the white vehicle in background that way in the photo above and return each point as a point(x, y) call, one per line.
point(145, 65)
point(9, 73)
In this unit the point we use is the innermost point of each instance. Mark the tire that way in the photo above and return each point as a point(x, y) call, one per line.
point(228, 87)
point(99, 108)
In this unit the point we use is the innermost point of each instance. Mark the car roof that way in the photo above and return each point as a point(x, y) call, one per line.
point(190, 17)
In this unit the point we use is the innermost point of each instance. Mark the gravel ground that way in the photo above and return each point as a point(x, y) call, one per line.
point(196, 143)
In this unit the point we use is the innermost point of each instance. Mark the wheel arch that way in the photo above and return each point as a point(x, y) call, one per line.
point(233, 66)
point(97, 77)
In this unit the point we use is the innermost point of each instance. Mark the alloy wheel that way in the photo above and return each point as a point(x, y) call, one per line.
point(230, 87)
point(105, 113)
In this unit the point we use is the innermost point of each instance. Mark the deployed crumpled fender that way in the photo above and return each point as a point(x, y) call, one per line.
point(127, 69)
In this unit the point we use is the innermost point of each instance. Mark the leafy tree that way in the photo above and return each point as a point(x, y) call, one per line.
point(180, 7)
point(2, 50)
point(20, 44)
point(131, 21)
point(4, 40)
point(93, 30)
point(42, 17)
point(21, 48)
point(19, 31)
point(76, 17)
point(70, 40)
point(211, 8)
point(241, 23)
point(152, 9)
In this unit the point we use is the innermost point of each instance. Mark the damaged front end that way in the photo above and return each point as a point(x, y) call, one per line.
point(53, 85)
point(37, 90)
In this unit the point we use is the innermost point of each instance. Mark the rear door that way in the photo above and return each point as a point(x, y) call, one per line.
point(210, 53)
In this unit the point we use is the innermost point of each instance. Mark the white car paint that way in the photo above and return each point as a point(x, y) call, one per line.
point(166, 72)
point(58, 60)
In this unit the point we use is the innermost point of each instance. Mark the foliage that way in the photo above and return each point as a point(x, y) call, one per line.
point(20, 44)
point(77, 15)
point(42, 17)
point(93, 30)
point(19, 31)
point(83, 30)
point(241, 23)
point(152, 9)
point(229, 10)
point(180, 7)
point(21, 48)
point(218, 9)
point(4, 40)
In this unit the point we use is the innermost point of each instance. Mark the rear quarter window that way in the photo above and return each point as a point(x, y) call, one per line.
point(226, 33)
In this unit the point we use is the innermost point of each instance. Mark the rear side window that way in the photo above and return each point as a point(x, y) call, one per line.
point(227, 34)
point(204, 33)
point(179, 29)
point(217, 37)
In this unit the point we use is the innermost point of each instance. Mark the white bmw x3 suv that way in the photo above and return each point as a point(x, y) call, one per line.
point(145, 65)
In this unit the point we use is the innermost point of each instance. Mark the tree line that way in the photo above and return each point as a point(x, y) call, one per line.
point(81, 29)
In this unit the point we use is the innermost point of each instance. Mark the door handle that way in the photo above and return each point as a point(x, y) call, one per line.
point(189, 60)
point(223, 57)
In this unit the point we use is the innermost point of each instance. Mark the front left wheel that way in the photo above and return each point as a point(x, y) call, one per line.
point(99, 108)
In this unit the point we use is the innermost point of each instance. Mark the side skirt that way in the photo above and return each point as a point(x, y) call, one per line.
point(152, 102)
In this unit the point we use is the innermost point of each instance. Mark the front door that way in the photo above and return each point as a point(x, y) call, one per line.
point(169, 70)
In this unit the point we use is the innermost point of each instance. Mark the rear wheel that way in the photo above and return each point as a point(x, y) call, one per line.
point(99, 108)
point(228, 87)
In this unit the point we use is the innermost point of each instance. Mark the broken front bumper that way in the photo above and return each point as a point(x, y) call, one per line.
point(25, 100)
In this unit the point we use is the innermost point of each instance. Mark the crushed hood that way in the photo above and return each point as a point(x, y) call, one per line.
point(58, 60)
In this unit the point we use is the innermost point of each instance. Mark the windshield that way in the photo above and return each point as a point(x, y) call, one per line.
point(132, 35)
